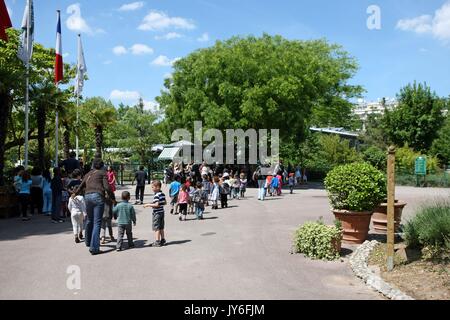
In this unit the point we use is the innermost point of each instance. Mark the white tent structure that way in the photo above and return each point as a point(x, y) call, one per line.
point(171, 151)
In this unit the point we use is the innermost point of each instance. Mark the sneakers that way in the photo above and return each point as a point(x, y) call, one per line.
point(103, 240)
point(77, 240)
point(163, 242)
point(136, 202)
point(118, 249)
point(80, 235)
point(142, 202)
point(156, 244)
point(171, 211)
point(26, 219)
point(112, 239)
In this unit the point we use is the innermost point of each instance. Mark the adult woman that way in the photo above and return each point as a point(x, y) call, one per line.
point(36, 190)
point(111, 178)
point(96, 188)
point(47, 193)
point(24, 194)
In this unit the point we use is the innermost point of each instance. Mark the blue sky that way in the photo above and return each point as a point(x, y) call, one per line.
point(129, 45)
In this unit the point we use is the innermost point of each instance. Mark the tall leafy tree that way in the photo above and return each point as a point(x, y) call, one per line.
point(267, 82)
point(441, 146)
point(100, 114)
point(417, 119)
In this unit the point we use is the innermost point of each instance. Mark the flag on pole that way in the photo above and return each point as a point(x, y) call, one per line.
point(59, 59)
point(26, 44)
point(81, 68)
point(5, 21)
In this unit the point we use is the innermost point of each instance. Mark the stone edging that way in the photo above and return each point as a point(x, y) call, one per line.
point(358, 262)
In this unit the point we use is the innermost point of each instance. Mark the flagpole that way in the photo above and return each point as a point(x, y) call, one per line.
point(27, 87)
point(77, 127)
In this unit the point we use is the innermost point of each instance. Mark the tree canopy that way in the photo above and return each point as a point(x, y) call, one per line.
point(266, 82)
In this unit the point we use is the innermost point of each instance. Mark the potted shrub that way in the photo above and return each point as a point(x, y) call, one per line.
point(318, 241)
point(354, 191)
point(379, 217)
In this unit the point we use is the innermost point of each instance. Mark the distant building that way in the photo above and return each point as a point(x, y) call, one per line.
point(364, 108)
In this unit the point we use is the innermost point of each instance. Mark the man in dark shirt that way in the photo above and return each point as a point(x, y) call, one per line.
point(141, 177)
point(71, 164)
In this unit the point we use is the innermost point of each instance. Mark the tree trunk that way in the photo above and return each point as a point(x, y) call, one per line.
point(5, 109)
point(66, 140)
point(98, 141)
point(41, 116)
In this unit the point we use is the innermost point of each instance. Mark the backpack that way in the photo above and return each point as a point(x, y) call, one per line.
point(226, 188)
point(275, 182)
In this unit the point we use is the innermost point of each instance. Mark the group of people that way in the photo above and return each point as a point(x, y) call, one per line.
point(189, 196)
point(49, 194)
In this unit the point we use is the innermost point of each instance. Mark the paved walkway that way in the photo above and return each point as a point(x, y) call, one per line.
point(242, 252)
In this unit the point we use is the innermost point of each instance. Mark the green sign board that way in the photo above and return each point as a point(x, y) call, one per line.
point(421, 166)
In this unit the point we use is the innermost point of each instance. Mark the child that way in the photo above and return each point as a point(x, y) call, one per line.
point(77, 209)
point(269, 185)
point(215, 194)
point(291, 182)
point(159, 201)
point(198, 200)
point(173, 193)
point(64, 194)
point(124, 214)
point(207, 187)
point(236, 185)
point(183, 200)
point(280, 184)
point(242, 185)
point(224, 191)
point(107, 219)
point(191, 191)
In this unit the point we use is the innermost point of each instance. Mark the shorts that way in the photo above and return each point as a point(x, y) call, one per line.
point(158, 222)
point(174, 200)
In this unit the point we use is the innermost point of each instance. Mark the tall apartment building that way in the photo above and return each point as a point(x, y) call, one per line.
point(364, 108)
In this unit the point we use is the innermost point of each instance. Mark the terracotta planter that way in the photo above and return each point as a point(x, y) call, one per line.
point(380, 217)
point(355, 225)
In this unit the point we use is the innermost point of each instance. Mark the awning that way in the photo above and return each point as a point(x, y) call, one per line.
point(169, 153)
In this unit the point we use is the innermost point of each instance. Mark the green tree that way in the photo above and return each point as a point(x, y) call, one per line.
point(136, 131)
point(100, 114)
point(417, 119)
point(441, 146)
point(267, 82)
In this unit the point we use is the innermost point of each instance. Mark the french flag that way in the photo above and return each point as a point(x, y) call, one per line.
point(59, 59)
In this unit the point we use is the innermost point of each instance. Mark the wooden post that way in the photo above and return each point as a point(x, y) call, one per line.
point(391, 203)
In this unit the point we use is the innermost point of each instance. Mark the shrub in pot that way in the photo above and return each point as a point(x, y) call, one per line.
point(355, 190)
point(318, 241)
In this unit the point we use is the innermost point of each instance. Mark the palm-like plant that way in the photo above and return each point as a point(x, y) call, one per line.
point(100, 114)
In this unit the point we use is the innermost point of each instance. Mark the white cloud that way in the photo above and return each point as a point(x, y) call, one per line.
point(164, 61)
point(124, 95)
point(204, 38)
point(75, 21)
point(140, 49)
point(438, 25)
point(169, 36)
point(120, 50)
point(419, 25)
point(157, 20)
point(151, 106)
point(132, 6)
point(107, 62)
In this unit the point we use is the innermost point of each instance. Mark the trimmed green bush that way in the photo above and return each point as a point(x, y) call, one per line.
point(430, 229)
point(317, 240)
point(355, 187)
